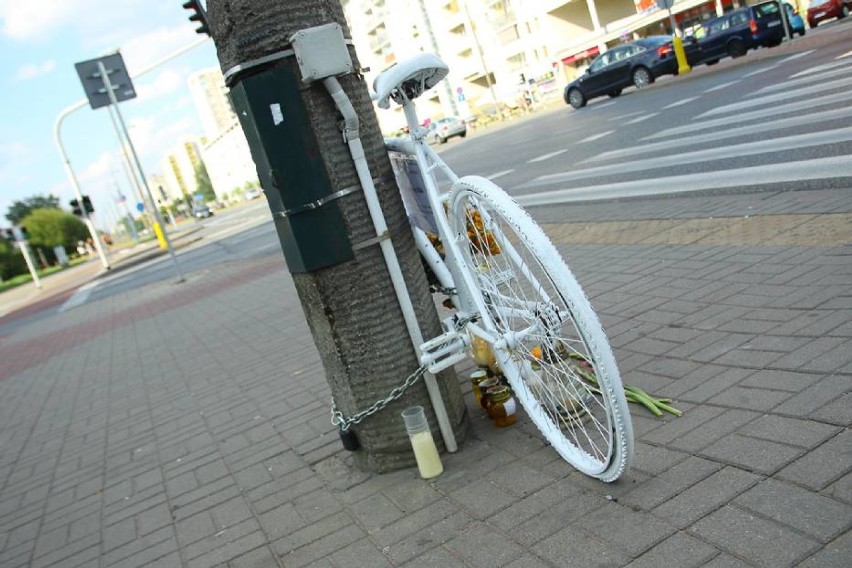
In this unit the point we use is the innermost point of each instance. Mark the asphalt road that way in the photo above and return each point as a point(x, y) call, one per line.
point(739, 114)
point(773, 120)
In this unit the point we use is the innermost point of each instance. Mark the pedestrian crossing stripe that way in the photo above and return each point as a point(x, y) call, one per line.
point(799, 171)
point(810, 139)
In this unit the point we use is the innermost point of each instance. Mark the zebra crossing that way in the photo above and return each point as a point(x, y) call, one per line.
point(708, 152)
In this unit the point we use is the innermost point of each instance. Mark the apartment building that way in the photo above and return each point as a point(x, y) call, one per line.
point(500, 51)
point(224, 150)
point(178, 170)
point(210, 96)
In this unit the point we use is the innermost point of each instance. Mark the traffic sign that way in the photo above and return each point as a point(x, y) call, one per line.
point(140, 207)
point(93, 83)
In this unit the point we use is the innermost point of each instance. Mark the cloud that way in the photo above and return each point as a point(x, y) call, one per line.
point(31, 20)
point(153, 140)
point(12, 156)
point(141, 50)
point(33, 70)
point(166, 83)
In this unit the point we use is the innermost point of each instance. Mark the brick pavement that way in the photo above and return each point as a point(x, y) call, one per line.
point(188, 425)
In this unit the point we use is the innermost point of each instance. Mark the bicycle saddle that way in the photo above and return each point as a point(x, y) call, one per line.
point(409, 79)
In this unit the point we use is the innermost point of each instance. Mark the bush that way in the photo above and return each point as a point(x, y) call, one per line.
point(11, 260)
point(54, 227)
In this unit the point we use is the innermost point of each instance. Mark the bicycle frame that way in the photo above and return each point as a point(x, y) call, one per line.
point(449, 348)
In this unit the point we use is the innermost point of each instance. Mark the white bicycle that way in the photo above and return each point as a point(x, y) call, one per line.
point(510, 288)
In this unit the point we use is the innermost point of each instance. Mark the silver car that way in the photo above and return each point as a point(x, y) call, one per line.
point(443, 129)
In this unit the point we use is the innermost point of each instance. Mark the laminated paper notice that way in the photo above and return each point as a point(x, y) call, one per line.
point(277, 115)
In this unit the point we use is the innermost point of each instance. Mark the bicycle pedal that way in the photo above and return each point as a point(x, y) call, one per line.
point(443, 351)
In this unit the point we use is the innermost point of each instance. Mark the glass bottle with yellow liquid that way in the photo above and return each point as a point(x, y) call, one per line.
point(502, 407)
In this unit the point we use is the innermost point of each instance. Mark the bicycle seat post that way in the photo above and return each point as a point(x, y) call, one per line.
point(414, 129)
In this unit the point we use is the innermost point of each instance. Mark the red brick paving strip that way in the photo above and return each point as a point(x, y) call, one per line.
point(18, 357)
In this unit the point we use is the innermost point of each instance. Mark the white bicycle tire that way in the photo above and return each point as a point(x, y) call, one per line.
point(547, 407)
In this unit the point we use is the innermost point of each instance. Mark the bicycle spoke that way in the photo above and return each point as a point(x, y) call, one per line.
point(530, 311)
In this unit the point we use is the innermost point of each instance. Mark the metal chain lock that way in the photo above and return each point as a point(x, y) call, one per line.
point(343, 423)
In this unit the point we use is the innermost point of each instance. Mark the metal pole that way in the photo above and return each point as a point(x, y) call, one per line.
point(69, 171)
point(25, 250)
point(129, 171)
point(132, 179)
point(128, 219)
point(482, 60)
point(675, 30)
point(788, 34)
point(75, 186)
point(153, 204)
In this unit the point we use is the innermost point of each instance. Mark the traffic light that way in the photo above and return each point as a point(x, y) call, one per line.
point(87, 204)
point(199, 15)
point(8, 234)
point(25, 235)
point(75, 208)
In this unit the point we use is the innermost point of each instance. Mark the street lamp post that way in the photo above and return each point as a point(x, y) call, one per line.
point(75, 186)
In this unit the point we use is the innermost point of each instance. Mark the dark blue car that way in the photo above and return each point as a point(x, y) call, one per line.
point(735, 33)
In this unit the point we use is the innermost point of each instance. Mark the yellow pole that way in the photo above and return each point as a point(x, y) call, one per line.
point(161, 238)
point(680, 54)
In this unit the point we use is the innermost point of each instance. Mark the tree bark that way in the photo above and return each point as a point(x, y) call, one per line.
point(351, 308)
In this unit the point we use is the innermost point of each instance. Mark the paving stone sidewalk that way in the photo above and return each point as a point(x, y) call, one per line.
point(188, 425)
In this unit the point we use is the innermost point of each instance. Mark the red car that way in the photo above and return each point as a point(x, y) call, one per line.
point(819, 10)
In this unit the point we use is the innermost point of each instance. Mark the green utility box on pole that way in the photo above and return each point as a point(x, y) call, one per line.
point(291, 171)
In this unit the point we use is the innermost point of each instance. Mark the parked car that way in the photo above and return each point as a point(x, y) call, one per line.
point(252, 194)
point(445, 128)
point(821, 10)
point(201, 211)
point(638, 63)
point(797, 23)
point(735, 33)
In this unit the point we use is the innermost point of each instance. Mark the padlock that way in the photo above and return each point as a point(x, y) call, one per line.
point(349, 439)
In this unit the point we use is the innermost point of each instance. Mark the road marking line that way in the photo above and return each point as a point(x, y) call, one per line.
point(787, 94)
point(836, 136)
point(80, 296)
point(739, 118)
point(719, 87)
point(808, 79)
point(759, 71)
point(623, 116)
point(681, 102)
point(499, 174)
point(816, 169)
point(602, 105)
point(547, 156)
point(847, 54)
point(821, 68)
point(734, 133)
point(642, 118)
point(796, 56)
point(597, 136)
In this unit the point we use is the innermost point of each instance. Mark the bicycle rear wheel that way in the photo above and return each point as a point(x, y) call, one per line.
point(552, 350)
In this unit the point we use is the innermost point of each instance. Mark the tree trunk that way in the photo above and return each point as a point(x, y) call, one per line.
point(350, 307)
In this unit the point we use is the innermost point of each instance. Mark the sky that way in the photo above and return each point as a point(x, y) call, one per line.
point(39, 44)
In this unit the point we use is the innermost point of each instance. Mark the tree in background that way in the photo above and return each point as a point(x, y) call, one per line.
point(11, 261)
point(202, 181)
point(54, 227)
point(20, 209)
